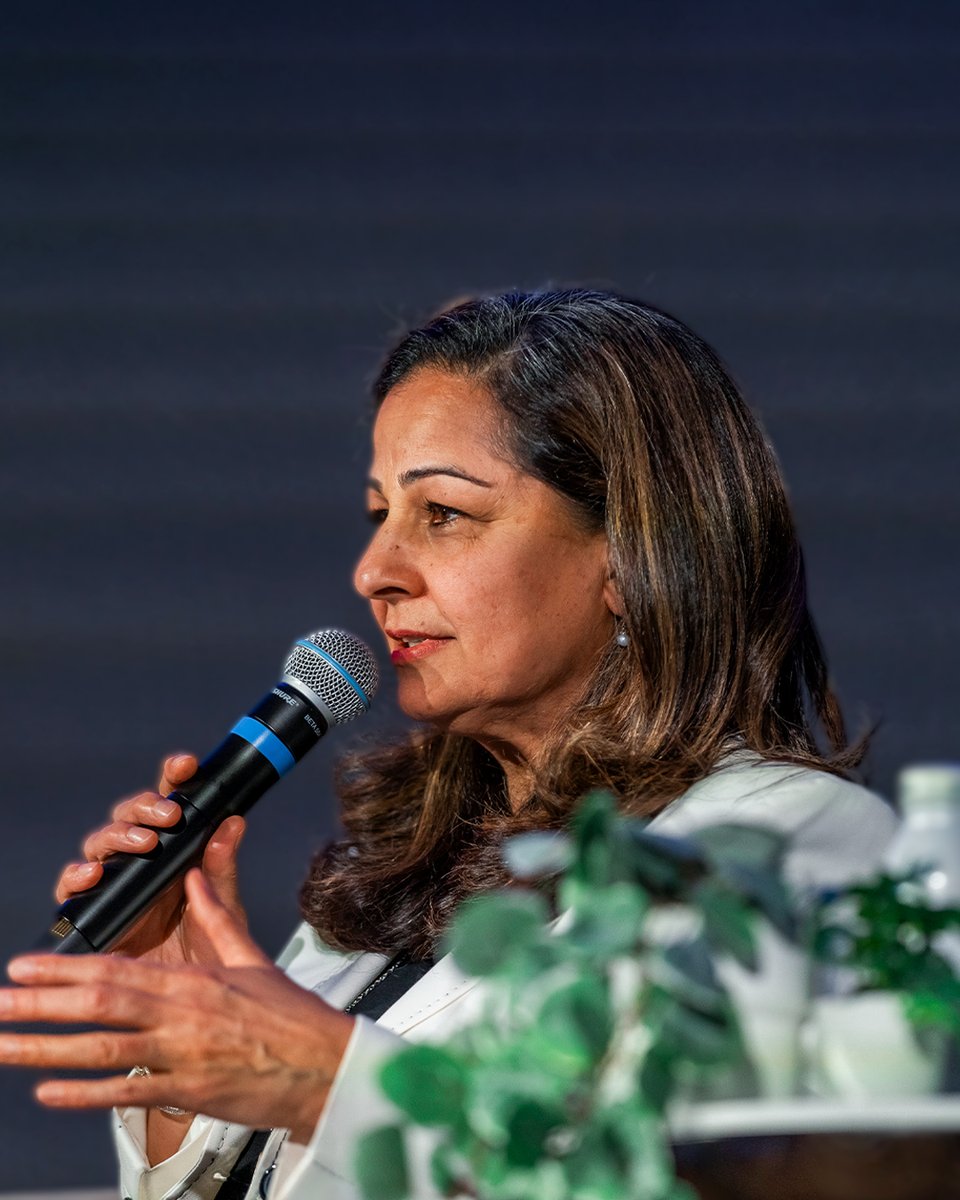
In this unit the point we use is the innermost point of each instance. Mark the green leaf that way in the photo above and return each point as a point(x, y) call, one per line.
point(447, 1169)
point(622, 1154)
point(661, 864)
point(639, 1132)
point(498, 1087)
point(492, 930)
point(427, 1083)
point(528, 1127)
point(936, 1008)
point(381, 1164)
point(598, 1168)
point(685, 971)
point(656, 1079)
point(701, 1039)
point(727, 922)
point(592, 826)
point(742, 845)
point(748, 859)
point(833, 944)
point(765, 892)
point(608, 921)
point(576, 1021)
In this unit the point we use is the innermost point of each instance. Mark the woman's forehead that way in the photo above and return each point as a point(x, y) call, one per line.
point(433, 412)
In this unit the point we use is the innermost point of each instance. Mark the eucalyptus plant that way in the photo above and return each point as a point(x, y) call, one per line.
point(603, 1004)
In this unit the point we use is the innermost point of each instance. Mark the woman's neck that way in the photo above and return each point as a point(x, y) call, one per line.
point(519, 780)
point(517, 771)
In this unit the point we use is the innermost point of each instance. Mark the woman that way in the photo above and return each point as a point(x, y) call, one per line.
point(586, 572)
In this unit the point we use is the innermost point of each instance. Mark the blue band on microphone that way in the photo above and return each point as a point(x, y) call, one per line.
point(266, 741)
point(340, 669)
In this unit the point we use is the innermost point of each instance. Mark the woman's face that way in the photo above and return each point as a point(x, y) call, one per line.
point(494, 602)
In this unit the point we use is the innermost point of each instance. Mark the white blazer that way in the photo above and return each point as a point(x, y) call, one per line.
point(836, 830)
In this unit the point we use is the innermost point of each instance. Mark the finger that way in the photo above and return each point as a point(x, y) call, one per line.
point(119, 1091)
point(109, 973)
point(76, 877)
point(73, 1004)
point(75, 1051)
point(147, 808)
point(177, 769)
point(118, 836)
point(220, 864)
point(231, 942)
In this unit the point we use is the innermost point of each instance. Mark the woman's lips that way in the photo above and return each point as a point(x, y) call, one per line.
point(413, 646)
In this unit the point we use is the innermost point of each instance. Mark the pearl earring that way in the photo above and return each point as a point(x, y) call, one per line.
point(622, 639)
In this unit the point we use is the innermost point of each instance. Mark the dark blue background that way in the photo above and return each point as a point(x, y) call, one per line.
point(212, 222)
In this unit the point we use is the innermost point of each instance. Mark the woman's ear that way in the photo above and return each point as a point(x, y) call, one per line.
point(612, 596)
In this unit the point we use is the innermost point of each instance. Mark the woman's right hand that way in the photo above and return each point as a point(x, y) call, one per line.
point(165, 933)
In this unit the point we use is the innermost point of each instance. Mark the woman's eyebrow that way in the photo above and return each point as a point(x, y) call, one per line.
point(416, 473)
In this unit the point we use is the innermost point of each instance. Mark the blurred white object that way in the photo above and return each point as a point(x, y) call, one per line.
point(862, 1047)
point(771, 1004)
point(929, 840)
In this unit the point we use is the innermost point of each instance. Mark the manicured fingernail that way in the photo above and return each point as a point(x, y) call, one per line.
point(85, 870)
point(139, 837)
point(20, 970)
point(163, 808)
point(182, 761)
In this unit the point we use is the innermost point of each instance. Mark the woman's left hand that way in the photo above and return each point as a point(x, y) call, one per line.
point(237, 1040)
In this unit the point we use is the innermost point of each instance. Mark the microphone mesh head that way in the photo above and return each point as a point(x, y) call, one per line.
point(338, 669)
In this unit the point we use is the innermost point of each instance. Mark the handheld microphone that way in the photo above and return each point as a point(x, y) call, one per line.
point(329, 677)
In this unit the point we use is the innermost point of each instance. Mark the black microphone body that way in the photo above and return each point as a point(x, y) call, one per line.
point(261, 747)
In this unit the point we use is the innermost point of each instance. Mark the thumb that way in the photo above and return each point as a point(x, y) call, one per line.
point(220, 862)
point(229, 939)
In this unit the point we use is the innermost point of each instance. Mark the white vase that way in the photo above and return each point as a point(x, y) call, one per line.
point(862, 1047)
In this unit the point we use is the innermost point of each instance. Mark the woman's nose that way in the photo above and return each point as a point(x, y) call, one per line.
point(385, 568)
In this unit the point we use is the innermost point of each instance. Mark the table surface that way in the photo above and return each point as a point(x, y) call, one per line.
point(756, 1118)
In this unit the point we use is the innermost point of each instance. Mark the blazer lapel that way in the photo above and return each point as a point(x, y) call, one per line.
point(440, 987)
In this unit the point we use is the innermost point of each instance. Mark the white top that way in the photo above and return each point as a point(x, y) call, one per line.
point(836, 831)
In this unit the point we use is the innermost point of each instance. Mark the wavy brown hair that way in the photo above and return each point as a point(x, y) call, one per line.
point(632, 417)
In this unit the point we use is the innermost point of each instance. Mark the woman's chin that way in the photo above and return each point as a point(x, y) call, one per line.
point(441, 714)
point(416, 704)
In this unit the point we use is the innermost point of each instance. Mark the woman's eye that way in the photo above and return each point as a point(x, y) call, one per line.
point(441, 514)
point(376, 516)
